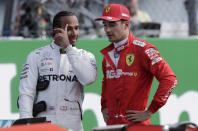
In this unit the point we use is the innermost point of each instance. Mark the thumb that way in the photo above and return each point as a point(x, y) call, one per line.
point(66, 27)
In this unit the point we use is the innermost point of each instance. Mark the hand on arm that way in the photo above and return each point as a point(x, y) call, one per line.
point(138, 116)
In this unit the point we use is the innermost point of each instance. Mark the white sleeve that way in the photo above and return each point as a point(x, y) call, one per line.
point(83, 64)
point(27, 87)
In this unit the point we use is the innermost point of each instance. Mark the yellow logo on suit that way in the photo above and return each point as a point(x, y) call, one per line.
point(129, 59)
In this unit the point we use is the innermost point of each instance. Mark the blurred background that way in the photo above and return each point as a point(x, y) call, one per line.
point(154, 18)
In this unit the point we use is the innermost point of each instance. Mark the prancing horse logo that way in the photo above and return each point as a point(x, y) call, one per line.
point(129, 59)
point(107, 9)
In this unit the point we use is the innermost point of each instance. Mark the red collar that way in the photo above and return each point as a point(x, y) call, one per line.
point(119, 48)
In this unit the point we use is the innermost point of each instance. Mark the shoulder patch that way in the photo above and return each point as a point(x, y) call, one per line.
point(139, 43)
point(151, 52)
point(154, 55)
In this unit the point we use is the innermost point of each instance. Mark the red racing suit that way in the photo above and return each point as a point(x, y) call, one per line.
point(127, 86)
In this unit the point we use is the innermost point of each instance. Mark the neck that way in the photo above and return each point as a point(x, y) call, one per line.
point(117, 44)
point(124, 37)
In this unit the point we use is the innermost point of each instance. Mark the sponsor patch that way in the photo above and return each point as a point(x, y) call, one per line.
point(45, 59)
point(129, 59)
point(62, 77)
point(155, 60)
point(25, 67)
point(24, 71)
point(110, 74)
point(170, 90)
point(139, 43)
point(153, 55)
point(63, 108)
point(46, 63)
point(51, 107)
point(123, 14)
point(120, 48)
point(73, 108)
point(109, 18)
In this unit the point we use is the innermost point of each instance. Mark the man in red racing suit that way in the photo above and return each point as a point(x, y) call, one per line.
point(129, 66)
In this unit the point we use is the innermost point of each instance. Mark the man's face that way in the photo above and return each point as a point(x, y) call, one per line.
point(115, 30)
point(72, 28)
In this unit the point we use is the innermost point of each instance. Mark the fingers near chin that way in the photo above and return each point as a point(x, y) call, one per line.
point(66, 27)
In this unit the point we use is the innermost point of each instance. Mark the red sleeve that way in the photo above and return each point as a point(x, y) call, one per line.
point(103, 97)
point(163, 73)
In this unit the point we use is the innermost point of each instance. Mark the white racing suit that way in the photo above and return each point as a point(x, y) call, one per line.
point(67, 73)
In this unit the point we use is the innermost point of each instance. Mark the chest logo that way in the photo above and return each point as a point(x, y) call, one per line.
point(129, 59)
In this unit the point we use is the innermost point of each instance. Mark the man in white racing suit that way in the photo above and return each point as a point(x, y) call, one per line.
point(66, 69)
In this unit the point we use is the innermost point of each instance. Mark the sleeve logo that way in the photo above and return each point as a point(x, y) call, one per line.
point(139, 43)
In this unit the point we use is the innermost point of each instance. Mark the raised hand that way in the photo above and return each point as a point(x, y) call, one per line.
point(61, 37)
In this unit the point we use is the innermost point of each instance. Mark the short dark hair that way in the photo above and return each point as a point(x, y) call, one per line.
point(57, 18)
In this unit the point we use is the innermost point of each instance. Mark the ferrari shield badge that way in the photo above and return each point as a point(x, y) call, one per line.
point(129, 59)
point(107, 9)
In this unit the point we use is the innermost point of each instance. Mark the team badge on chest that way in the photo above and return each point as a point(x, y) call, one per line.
point(129, 59)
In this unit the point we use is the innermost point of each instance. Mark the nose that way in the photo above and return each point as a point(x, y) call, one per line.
point(74, 32)
point(107, 29)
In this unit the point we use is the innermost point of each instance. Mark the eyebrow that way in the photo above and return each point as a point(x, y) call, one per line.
point(73, 26)
point(109, 22)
